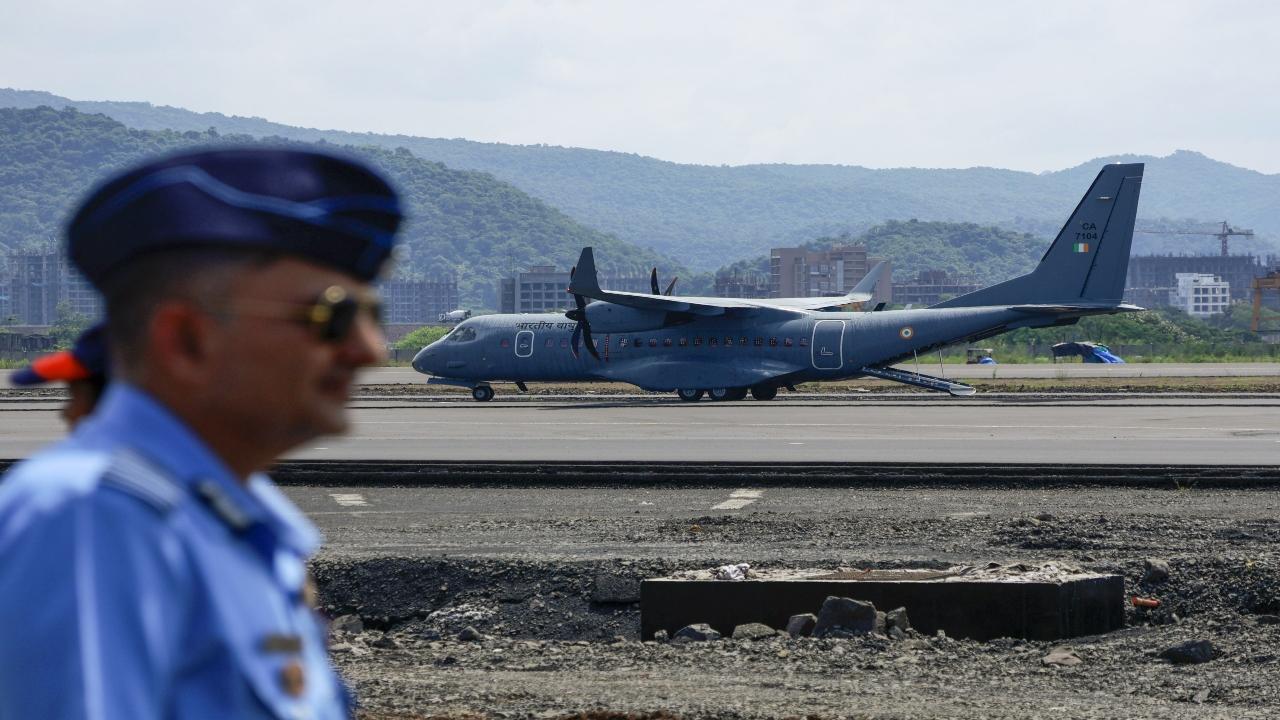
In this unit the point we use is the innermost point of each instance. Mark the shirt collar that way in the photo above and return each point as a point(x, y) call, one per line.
point(129, 416)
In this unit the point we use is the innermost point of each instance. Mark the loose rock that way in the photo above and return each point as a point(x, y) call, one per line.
point(845, 617)
point(801, 625)
point(898, 619)
point(347, 624)
point(753, 631)
point(1190, 652)
point(661, 636)
point(1062, 657)
point(469, 634)
point(698, 632)
point(1154, 571)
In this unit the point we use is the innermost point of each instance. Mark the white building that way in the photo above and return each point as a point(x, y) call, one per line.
point(1201, 295)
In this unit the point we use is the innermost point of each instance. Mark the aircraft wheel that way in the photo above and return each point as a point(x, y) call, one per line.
point(690, 394)
point(764, 392)
point(736, 393)
point(482, 393)
point(719, 394)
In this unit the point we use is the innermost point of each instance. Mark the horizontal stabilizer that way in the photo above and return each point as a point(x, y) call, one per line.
point(927, 382)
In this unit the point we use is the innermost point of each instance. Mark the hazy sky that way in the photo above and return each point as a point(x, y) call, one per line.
point(1031, 85)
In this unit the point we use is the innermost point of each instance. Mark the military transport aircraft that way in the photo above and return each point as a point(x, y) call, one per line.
point(724, 348)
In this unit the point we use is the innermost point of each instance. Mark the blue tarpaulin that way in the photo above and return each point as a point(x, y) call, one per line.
point(1089, 352)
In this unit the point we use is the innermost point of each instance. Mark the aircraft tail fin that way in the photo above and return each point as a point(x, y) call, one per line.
point(867, 285)
point(1088, 261)
point(584, 281)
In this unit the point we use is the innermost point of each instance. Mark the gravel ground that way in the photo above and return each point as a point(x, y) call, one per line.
point(561, 638)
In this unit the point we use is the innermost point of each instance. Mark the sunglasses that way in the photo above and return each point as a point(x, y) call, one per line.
point(329, 317)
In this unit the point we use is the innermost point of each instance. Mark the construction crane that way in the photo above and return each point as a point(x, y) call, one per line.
point(1225, 232)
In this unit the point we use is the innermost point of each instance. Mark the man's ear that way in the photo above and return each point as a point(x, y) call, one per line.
point(181, 337)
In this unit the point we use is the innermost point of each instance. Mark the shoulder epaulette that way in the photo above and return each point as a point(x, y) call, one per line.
point(130, 473)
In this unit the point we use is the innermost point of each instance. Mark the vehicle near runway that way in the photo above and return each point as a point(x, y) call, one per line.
point(726, 347)
point(454, 316)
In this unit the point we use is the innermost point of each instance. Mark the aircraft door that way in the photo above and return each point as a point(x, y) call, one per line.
point(524, 343)
point(827, 349)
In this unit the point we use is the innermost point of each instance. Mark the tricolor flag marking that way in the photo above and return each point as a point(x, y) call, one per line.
point(1082, 247)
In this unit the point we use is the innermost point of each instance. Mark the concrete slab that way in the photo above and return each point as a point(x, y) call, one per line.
point(1036, 603)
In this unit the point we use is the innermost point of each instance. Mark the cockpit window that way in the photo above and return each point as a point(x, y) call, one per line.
point(462, 334)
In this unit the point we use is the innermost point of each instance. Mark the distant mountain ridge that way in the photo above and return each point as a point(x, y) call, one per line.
point(459, 223)
point(705, 215)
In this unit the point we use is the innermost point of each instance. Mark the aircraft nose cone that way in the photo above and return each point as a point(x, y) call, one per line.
point(423, 361)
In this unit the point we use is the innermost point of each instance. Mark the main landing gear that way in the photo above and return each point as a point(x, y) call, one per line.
point(482, 393)
point(759, 392)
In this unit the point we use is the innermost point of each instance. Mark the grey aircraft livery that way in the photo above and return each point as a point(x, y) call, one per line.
point(724, 348)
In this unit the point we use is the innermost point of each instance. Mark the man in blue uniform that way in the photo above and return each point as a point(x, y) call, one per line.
point(148, 569)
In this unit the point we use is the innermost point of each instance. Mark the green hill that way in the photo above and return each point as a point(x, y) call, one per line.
point(703, 215)
point(986, 253)
point(460, 223)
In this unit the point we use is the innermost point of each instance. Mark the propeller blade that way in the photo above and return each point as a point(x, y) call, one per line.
point(583, 328)
point(653, 281)
point(591, 344)
point(671, 286)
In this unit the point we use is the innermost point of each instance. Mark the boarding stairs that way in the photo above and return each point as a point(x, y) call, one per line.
point(927, 382)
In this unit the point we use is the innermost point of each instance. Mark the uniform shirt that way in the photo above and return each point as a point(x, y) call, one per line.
point(139, 579)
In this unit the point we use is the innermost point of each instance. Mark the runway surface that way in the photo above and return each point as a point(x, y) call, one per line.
point(404, 375)
point(639, 522)
point(374, 376)
point(1212, 431)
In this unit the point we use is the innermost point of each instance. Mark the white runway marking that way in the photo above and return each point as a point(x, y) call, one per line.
point(739, 499)
point(349, 499)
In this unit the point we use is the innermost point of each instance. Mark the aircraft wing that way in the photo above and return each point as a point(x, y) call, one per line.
point(862, 292)
point(586, 284)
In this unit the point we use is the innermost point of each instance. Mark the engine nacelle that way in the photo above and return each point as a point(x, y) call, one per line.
point(610, 318)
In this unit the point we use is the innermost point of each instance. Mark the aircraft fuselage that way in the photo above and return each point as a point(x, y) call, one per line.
point(706, 352)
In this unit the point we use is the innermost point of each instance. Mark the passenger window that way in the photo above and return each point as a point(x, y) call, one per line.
point(759, 342)
point(564, 342)
point(684, 341)
point(711, 342)
point(638, 342)
point(697, 341)
point(773, 342)
point(666, 342)
point(653, 342)
point(622, 342)
point(743, 341)
point(728, 341)
point(786, 342)
point(804, 342)
point(550, 343)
